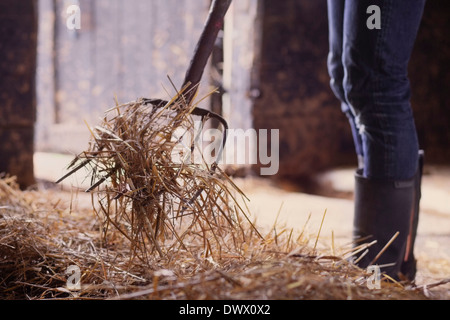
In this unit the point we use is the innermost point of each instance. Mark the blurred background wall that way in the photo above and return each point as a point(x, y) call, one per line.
point(18, 39)
point(295, 94)
point(270, 63)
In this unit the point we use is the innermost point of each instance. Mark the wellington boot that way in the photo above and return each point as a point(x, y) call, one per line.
point(383, 209)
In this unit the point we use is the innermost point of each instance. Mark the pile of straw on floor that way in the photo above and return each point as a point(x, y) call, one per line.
point(41, 236)
point(160, 230)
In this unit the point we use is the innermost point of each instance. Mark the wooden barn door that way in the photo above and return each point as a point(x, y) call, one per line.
point(123, 48)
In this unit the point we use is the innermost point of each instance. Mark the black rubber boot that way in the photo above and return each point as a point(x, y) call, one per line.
point(383, 208)
point(409, 265)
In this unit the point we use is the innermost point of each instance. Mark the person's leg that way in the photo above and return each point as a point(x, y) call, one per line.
point(335, 37)
point(376, 86)
point(336, 68)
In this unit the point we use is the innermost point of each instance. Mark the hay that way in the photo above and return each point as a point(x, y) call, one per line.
point(42, 233)
point(153, 191)
point(162, 229)
point(40, 239)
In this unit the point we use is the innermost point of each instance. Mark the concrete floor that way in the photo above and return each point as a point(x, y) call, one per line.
point(289, 207)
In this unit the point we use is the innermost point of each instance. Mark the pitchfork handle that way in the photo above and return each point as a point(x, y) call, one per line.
point(205, 46)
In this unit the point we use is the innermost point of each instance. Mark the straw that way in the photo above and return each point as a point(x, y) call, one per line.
point(42, 233)
point(154, 200)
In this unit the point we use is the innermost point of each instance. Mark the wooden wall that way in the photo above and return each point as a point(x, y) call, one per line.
point(18, 38)
point(295, 94)
point(429, 72)
point(124, 48)
point(296, 98)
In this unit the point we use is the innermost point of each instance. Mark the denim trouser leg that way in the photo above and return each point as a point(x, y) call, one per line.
point(336, 68)
point(368, 69)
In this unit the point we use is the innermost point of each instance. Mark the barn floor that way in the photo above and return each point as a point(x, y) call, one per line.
point(285, 205)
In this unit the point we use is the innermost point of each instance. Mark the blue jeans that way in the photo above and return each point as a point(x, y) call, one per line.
point(368, 70)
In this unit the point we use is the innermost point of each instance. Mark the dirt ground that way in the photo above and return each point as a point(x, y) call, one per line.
point(332, 197)
point(277, 206)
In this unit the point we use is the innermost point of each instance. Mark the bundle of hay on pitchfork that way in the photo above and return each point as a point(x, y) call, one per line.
point(158, 202)
point(146, 192)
